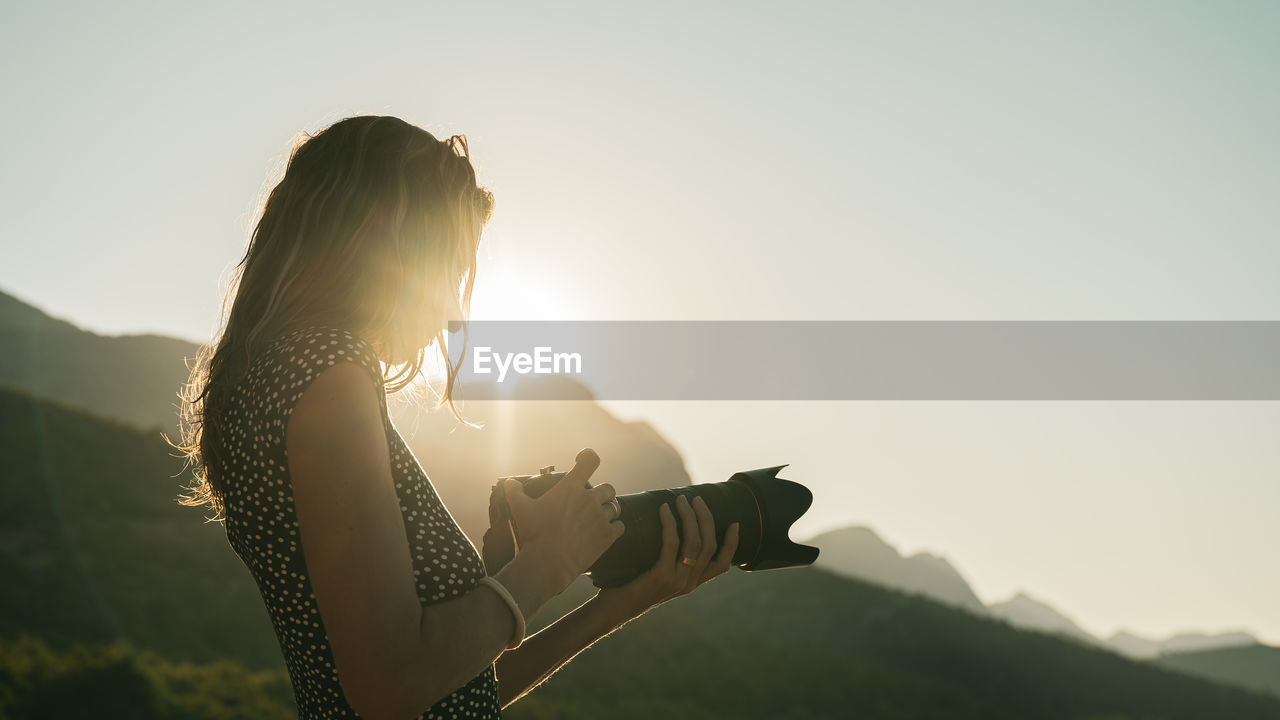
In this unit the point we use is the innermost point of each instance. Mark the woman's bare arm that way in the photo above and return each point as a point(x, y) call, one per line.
point(394, 656)
point(524, 668)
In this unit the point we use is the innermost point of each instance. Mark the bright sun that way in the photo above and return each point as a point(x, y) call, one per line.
point(504, 291)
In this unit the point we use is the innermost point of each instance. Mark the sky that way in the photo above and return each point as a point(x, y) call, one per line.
point(762, 161)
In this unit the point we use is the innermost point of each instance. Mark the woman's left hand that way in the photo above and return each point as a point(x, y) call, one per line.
point(673, 576)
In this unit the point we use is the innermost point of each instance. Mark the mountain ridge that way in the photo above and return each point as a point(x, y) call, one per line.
point(57, 363)
point(97, 551)
point(133, 377)
point(858, 551)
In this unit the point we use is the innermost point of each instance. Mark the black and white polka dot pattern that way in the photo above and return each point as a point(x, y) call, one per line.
point(263, 528)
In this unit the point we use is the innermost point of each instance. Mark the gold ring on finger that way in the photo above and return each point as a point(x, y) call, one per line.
point(686, 560)
point(617, 508)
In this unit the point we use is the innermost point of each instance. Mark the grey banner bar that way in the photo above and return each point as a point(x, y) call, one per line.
point(873, 360)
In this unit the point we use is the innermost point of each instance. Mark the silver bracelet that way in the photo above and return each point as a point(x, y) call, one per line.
point(518, 636)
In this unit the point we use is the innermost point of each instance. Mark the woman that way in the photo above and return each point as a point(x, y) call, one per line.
point(364, 251)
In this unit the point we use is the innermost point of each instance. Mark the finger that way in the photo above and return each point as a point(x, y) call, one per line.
point(604, 492)
point(670, 539)
point(518, 502)
point(619, 529)
point(706, 527)
point(706, 535)
point(516, 496)
point(692, 541)
point(689, 528)
point(724, 558)
point(584, 465)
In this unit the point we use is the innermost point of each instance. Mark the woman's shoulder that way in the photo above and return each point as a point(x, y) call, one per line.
point(290, 363)
point(314, 348)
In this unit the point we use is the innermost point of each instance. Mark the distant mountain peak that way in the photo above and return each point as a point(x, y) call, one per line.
point(133, 378)
point(857, 551)
point(1024, 611)
point(17, 313)
point(1132, 644)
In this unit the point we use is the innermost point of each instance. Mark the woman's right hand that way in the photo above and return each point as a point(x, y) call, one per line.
point(569, 526)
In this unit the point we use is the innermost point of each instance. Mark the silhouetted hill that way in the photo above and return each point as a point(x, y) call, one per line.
point(1251, 666)
point(96, 551)
point(136, 379)
point(95, 548)
point(806, 643)
point(1136, 646)
point(1026, 612)
point(84, 496)
point(858, 552)
point(132, 377)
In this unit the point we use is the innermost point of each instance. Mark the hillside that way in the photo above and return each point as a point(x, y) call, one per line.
point(136, 379)
point(1251, 666)
point(133, 377)
point(1024, 611)
point(116, 681)
point(804, 643)
point(84, 496)
point(1136, 646)
point(96, 551)
point(858, 552)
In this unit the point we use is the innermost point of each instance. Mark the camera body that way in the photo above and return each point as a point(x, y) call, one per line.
point(763, 504)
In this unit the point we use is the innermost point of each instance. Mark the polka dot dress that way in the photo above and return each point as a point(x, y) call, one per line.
point(263, 529)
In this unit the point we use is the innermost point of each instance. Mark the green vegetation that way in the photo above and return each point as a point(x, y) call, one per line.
point(114, 681)
point(805, 643)
point(96, 549)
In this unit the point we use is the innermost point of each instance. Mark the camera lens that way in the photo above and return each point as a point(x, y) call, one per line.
point(764, 504)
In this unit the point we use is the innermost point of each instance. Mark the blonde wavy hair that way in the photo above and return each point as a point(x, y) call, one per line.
point(374, 227)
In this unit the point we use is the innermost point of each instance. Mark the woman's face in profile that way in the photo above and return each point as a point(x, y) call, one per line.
point(432, 316)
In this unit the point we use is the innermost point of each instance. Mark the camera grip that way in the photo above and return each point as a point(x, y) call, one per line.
point(502, 540)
